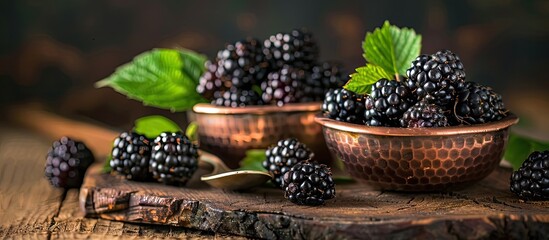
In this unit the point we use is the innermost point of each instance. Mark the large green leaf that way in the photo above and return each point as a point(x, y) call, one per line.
point(362, 80)
point(154, 125)
point(519, 147)
point(163, 78)
point(392, 48)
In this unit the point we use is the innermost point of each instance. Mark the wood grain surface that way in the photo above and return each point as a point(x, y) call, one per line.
point(484, 210)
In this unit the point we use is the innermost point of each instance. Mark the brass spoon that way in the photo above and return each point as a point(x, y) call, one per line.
point(226, 178)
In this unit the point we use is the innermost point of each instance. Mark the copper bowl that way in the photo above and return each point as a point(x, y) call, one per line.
point(229, 132)
point(418, 159)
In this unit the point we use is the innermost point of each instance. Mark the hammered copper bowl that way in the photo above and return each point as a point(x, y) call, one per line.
point(418, 159)
point(229, 132)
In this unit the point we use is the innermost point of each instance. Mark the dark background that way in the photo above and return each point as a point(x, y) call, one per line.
point(51, 52)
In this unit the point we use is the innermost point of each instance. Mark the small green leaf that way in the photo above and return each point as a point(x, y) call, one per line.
point(392, 48)
point(362, 80)
point(164, 78)
point(253, 160)
point(192, 131)
point(152, 126)
point(519, 148)
point(107, 165)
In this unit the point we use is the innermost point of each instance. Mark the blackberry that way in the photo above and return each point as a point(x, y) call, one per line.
point(343, 105)
point(283, 86)
point(387, 101)
point(323, 77)
point(174, 158)
point(237, 98)
point(479, 104)
point(283, 156)
point(424, 115)
point(436, 78)
point(211, 82)
point(66, 163)
point(131, 153)
point(531, 180)
point(297, 48)
point(243, 63)
point(309, 183)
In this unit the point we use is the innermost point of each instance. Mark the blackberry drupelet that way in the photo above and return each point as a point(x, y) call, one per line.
point(174, 158)
point(297, 48)
point(323, 77)
point(243, 63)
point(531, 180)
point(237, 98)
point(479, 104)
point(66, 163)
point(283, 156)
point(436, 78)
point(211, 82)
point(387, 101)
point(309, 183)
point(343, 105)
point(131, 153)
point(424, 115)
point(283, 86)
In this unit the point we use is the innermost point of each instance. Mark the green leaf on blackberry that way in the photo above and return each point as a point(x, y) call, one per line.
point(163, 78)
point(392, 48)
point(362, 80)
point(192, 131)
point(152, 126)
point(519, 147)
point(253, 160)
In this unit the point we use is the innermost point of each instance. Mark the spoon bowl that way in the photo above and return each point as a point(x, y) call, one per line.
point(226, 178)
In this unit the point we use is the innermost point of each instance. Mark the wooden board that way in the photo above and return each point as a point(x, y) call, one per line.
point(485, 210)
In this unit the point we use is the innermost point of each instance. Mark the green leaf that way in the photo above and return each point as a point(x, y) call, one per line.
point(152, 126)
point(519, 148)
point(392, 48)
point(192, 131)
point(253, 160)
point(362, 80)
point(107, 165)
point(163, 78)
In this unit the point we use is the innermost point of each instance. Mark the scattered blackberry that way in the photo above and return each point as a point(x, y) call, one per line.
point(131, 153)
point(436, 78)
point(343, 105)
point(211, 82)
point(285, 154)
point(174, 158)
point(531, 180)
point(386, 103)
point(479, 104)
point(323, 77)
point(243, 63)
point(296, 48)
point(283, 86)
point(237, 98)
point(424, 115)
point(66, 163)
point(309, 183)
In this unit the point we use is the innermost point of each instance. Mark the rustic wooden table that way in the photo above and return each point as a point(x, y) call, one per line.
point(31, 208)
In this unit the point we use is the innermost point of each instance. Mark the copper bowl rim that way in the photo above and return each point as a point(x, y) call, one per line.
point(506, 122)
point(206, 108)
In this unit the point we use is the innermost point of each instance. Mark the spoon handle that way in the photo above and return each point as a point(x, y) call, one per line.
point(218, 165)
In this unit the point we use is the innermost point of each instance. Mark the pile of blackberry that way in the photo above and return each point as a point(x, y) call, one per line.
point(282, 69)
point(433, 94)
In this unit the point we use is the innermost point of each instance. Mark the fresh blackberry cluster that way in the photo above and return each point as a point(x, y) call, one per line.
point(283, 156)
point(174, 158)
point(434, 94)
point(67, 162)
point(343, 105)
point(309, 183)
point(131, 153)
point(281, 70)
point(531, 180)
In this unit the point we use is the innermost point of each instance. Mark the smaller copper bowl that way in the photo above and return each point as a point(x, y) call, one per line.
point(229, 132)
point(418, 159)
